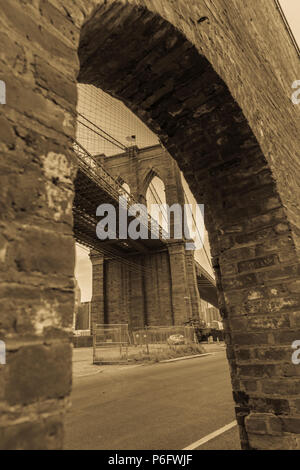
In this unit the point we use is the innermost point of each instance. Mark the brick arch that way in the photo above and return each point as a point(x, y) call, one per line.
point(176, 91)
point(249, 180)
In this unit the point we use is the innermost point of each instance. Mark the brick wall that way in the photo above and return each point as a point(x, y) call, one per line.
point(223, 110)
point(38, 64)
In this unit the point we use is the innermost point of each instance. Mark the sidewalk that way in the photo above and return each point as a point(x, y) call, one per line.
point(83, 360)
point(214, 347)
point(83, 363)
point(82, 355)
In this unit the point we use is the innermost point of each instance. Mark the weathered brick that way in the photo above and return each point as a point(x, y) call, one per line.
point(258, 370)
point(38, 372)
point(295, 406)
point(260, 442)
point(285, 387)
point(25, 99)
point(291, 424)
point(25, 25)
point(264, 404)
point(45, 434)
point(274, 426)
point(267, 306)
point(286, 336)
point(295, 319)
point(248, 385)
point(268, 323)
point(290, 370)
point(279, 272)
point(53, 81)
point(243, 354)
point(256, 423)
point(272, 354)
point(238, 324)
point(37, 258)
point(61, 21)
point(7, 134)
point(258, 263)
point(241, 398)
point(230, 141)
point(13, 54)
point(294, 286)
point(245, 339)
point(237, 282)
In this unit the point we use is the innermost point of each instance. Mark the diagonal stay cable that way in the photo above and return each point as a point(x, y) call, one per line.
point(102, 136)
point(116, 142)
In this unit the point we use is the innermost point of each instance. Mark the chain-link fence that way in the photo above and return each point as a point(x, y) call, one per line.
point(110, 344)
point(162, 335)
point(119, 344)
point(159, 342)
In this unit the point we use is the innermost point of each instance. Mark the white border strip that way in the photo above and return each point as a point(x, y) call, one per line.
point(207, 438)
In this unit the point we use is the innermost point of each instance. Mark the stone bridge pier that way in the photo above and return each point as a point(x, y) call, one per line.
point(162, 290)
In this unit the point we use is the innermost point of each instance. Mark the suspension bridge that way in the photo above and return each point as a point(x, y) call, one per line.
point(145, 281)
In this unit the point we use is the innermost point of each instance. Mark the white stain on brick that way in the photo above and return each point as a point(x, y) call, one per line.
point(58, 171)
point(46, 316)
point(3, 251)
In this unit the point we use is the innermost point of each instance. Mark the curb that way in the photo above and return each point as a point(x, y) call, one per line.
point(183, 358)
point(87, 375)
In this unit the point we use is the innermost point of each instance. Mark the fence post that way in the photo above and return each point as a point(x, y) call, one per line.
point(93, 326)
point(147, 342)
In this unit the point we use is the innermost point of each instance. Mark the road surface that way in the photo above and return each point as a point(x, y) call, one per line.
point(155, 407)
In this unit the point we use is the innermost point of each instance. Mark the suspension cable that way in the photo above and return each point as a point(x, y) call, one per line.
point(117, 142)
point(102, 136)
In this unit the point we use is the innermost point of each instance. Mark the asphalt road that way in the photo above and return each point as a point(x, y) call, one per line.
point(154, 407)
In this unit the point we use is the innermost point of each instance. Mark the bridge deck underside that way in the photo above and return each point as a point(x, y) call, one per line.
point(88, 196)
point(207, 290)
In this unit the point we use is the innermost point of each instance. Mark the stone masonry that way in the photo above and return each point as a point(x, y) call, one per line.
point(165, 291)
point(213, 80)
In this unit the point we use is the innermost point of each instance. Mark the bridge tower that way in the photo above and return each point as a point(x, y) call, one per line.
point(163, 291)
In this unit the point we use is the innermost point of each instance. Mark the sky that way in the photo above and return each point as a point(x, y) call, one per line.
point(291, 9)
point(121, 123)
point(115, 118)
